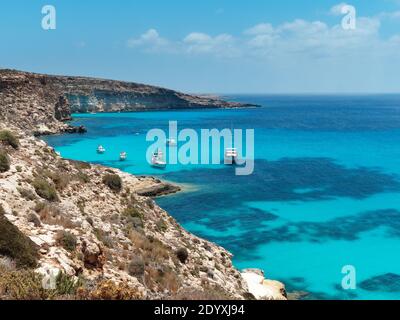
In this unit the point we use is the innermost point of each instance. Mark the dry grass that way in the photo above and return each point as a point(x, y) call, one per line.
point(21, 285)
point(52, 215)
point(108, 290)
point(209, 293)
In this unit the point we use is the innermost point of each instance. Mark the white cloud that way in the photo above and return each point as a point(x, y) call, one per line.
point(337, 9)
point(262, 28)
point(311, 39)
point(294, 40)
point(150, 40)
point(200, 43)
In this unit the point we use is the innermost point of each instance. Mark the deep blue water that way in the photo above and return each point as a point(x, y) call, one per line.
point(324, 193)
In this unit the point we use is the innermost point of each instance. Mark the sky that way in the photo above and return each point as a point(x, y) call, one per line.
point(211, 46)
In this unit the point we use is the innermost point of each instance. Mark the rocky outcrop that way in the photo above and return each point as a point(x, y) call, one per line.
point(261, 288)
point(153, 187)
point(35, 100)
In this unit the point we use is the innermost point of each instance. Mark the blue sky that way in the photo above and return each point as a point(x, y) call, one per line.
point(210, 46)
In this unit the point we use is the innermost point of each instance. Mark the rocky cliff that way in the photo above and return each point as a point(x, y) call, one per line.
point(40, 101)
point(91, 222)
point(72, 230)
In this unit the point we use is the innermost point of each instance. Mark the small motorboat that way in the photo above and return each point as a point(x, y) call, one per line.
point(231, 155)
point(123, 156)
point(171, 142)
point(101, 149)
point(157, 160)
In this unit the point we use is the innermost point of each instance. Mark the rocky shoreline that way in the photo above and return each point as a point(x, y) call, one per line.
point(43, 103)
point(98, 223)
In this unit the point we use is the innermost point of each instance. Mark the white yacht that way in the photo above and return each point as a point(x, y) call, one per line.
point(171, 142)
point(123, 156)
point(231, 155)
point(101, 149)
point(157, 160)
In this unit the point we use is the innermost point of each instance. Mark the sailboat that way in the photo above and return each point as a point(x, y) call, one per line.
point(157, 160)
point(123, 156)
point(231, 155)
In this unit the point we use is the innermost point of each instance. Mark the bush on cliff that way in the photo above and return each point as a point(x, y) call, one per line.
point(67, 240)
point(182, 254)
point(136, 267)
point(45, 190)
point(133, 213)
point(8, 138)
point(22, 285)
point(113, 181)
point(4, 162)
point(14, 244)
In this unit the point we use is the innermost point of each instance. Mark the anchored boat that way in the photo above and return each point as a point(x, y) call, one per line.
point(171, 142)
point(101, 149)
point(157, 160)
point(123, 156)
point(231, 155)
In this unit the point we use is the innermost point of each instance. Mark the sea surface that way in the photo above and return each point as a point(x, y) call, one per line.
point(325, 192)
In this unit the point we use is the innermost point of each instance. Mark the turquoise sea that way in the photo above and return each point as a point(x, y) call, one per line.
point(324, 193)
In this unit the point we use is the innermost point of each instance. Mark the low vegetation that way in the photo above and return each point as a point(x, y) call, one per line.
point(133, 212)
point(103, 237)
point(108, 290)
point(209, 293)
point(182, 254)
point(50, 214)
point(136, 267)
point(113, 181)
point(23, 284)
point(45, 190)
point(26, 194)
point(67, 240)
point(14, 244)
point(4, 162)
point(9, 138)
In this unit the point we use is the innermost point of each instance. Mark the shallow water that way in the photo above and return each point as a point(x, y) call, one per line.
point(324, 194)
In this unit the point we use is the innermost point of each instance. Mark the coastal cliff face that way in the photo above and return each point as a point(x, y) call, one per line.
point(90, 222)
point(91, 232)
point(40, 102)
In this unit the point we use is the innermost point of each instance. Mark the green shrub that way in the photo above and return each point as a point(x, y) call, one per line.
point(39, 206)
point(104, 237)
point(136, 267)
point(113, 181)
point(4, 162)
point(45, 190)
point(67, 240)
point(133, 213)
point(182, 254)
point(161, 225)
point(33, 218)
point(82, 177)
point(26, 194)
point(14, 244)
point(80, 165)
point(8, 138)
point(67, 285)
point(61, 180)
point(22, 285)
